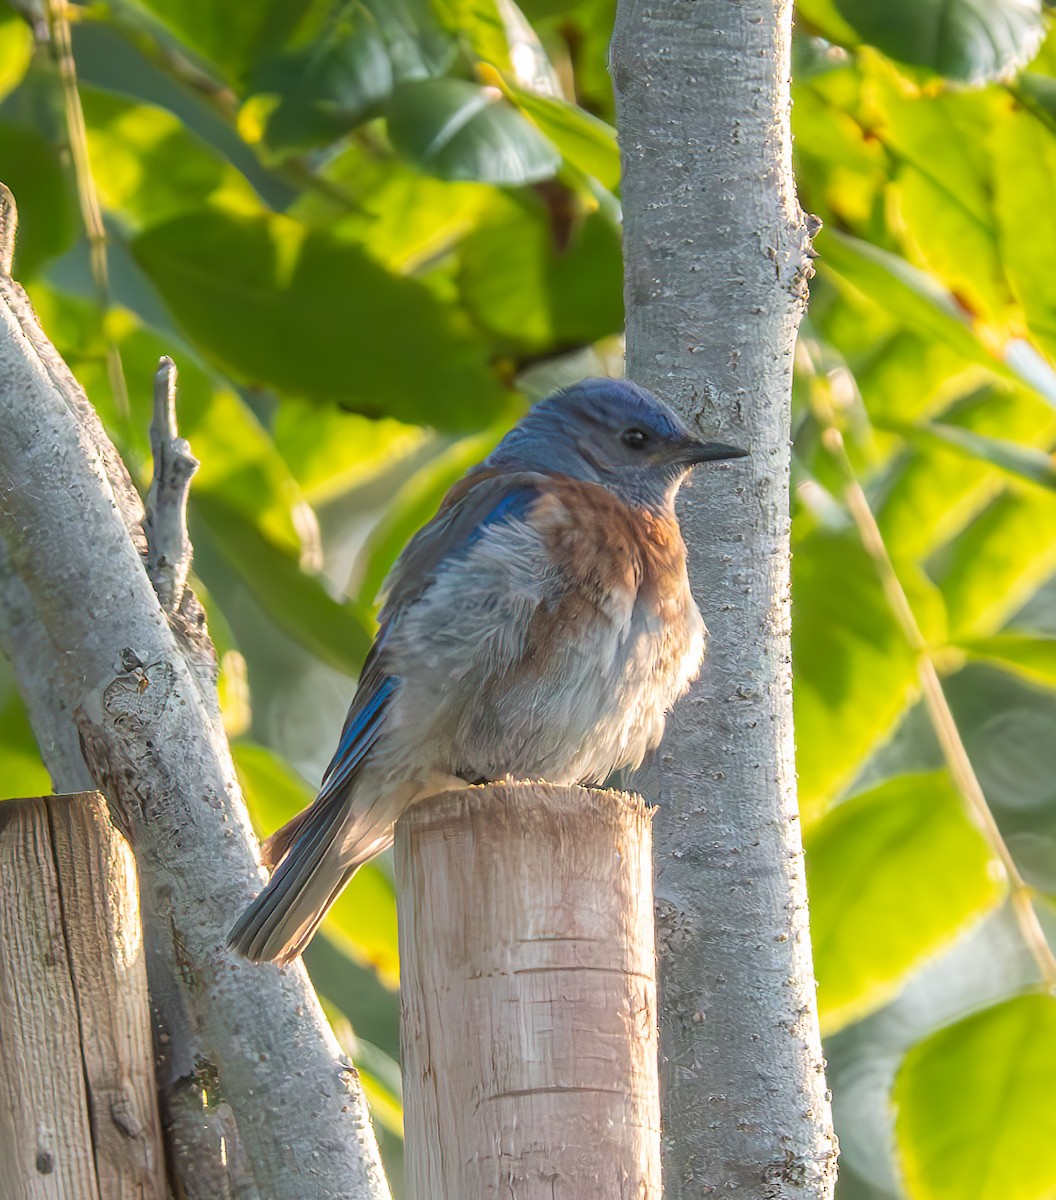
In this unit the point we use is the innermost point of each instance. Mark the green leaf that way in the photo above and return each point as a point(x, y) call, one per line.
point(232, 36)
point(24, 772)
point(239, 461)
point(404, 219)
point(894, 875)
point(148, 167)
point(1024, 182)
point(993, 567)
point(16, 53)
point(855, 674)
point(1006, 724)
point(1030, 654)
point(975, 1118)
point(362, 922)
point(336, 633)
point(1036, 91)
point(498, 34)
point(1022, 461)
point(315, 316)
point(910, 293)
point(32, 167)
point(584, 140)
point(330, 451)
point(970, 40)
point(922, 304)
point(311, 93)
point(943, 183)
point(457, 130)
point(935, 489)
point(533, 294)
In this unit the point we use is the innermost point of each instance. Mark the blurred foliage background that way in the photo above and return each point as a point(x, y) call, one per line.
point(371, 232)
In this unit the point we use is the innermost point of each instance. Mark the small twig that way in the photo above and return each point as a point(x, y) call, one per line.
point(168, 545)
point(8, 229)
point(940, 714)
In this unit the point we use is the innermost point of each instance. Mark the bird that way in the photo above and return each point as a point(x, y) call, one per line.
point(539, 627)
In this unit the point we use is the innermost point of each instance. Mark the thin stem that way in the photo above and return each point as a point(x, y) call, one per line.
point(91, 213)
point(939, 712)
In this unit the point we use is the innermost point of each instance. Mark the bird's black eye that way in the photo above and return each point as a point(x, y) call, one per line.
point(634, 439)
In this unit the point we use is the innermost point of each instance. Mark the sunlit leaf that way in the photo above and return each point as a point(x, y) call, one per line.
point(16, 50)
point(457, 130)
point(923, 304)
point(310, 314)
point(363, 920)
point(24, 773)
point(915, 296)
point(1031, 654)
point(1024, 179)
point(936, 487)
point(1033, 465)
point(238, 459)
point(148, 167)
point(975, 1119)
point(496, 32)
point(330, 451)
point(533, 293)
point(403, 218)
point(894, 875)
point(943, 184)
point(998, 562)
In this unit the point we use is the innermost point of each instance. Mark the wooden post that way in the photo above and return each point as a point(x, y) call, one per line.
point(78, 1109)
point(529, 996)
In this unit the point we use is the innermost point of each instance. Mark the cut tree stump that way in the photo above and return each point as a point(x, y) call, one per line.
point(529, 997)
point(78, 1108)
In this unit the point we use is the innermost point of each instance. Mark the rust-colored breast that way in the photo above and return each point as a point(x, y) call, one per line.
point(607, 547)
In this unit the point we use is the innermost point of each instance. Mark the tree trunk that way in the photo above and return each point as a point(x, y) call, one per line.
point(78, 1104)
point(717, 257)
point(286, 1117)
point(529, 996)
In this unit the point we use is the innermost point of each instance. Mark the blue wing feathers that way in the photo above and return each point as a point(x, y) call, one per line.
point(515, 503)
point(291, 905)
point(484, 502)
point(360, 734)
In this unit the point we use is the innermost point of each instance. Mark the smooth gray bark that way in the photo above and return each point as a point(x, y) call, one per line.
point(295, 1126)
point(718, 255)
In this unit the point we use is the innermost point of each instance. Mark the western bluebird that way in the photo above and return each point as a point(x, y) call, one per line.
point(539, 627)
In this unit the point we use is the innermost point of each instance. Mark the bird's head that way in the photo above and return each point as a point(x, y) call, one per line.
point(613, 432)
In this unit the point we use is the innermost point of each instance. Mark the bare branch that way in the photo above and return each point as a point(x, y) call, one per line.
point(151, 741)
point(168, 546)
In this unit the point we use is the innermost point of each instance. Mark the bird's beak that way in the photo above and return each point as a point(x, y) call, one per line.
point(702, 452)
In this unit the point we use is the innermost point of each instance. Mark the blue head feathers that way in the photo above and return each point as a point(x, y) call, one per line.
point(612, 432)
